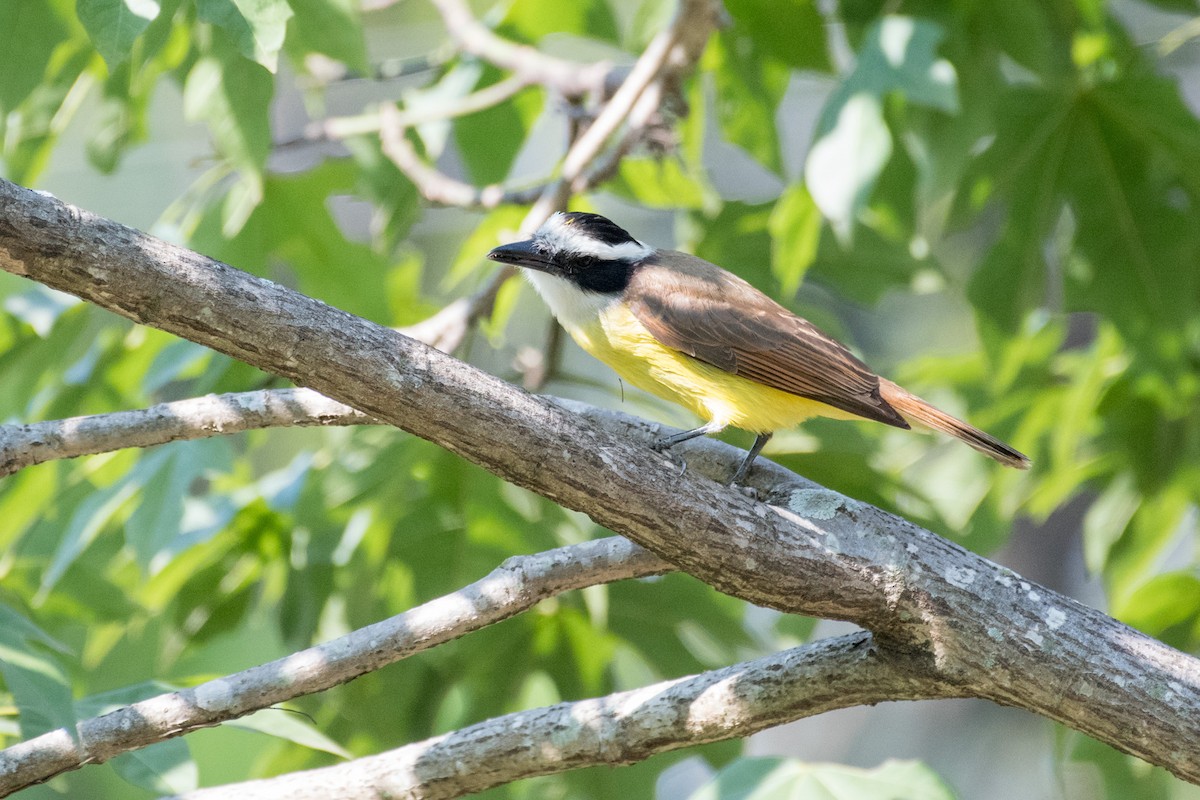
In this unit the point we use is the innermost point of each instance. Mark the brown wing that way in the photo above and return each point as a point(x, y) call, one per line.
point(700, 309)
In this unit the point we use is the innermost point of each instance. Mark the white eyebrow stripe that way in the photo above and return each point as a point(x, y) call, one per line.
point(565, 238)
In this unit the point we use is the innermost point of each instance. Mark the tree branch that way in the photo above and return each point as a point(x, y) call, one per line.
point(221, 415)
point(435, 185)
point(672, 50)
point(966, 620)
point(195, 418)
point(334, 128)
point(619, 729)
point(515, 586)
point(569, 78)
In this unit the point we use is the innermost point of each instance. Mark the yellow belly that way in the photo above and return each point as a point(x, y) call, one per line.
point(623, 343)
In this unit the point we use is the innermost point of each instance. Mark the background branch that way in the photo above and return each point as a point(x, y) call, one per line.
point(619, 729)
point(515, 586)
point(571, 79)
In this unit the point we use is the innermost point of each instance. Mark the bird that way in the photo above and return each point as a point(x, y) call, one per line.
point(690, 332)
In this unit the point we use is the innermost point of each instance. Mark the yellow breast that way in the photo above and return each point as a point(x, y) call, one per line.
point(618, 339)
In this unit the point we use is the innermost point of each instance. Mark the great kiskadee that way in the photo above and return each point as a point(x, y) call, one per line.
point(690, 332)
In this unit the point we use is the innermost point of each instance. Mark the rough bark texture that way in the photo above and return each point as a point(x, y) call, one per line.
point(619, 729)
point(967, 621)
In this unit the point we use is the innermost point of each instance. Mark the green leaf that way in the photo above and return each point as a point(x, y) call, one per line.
point(1161, 602)
point(293, 226)
point(898, 56)
point(1027, 31)
point(397, 199)
point(257, 27)
point(661, 183)
point(795, 227)
point(792, 31)
point(749, 85)
point(530, 20)
point(490, 140)
point(1027, 158)
point(291, 726)
point(162, 768)
point(1115, 775)
point(32, 31)
point(121, 119)
point(31, 133)
point(34, 678)
point(331, 27)
point(498, 227)
point(113, 25)
point(232, 95)
point(96, 511)
point(789, 779)
point(1154, 527)
point(844, 163)
point(737, 239)
point(158, 522)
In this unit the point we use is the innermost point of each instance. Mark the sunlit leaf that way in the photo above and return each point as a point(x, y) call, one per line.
point(233, 96)
point(257, 27)
point(113, 25)
point(843, 165)
point(661, 183)
point(899, 56)
point(787, 779)
point(530, 20)
point(795, 227)
point(33, 675)
point(31, 32)
point(331, 27)
point(750, 83)
point(792, 31)
point(291, 726)
point(491, 139)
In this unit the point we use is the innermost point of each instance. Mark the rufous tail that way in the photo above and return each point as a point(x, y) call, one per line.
point(918, 412)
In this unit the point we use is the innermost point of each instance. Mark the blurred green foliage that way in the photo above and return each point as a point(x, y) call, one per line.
point(1027, 172)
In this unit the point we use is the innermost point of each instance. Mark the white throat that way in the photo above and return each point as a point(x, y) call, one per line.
point(571, 306)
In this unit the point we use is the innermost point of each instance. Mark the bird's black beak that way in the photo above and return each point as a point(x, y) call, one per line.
point(522, 254)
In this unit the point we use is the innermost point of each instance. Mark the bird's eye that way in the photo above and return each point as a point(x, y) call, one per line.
point(584, 263)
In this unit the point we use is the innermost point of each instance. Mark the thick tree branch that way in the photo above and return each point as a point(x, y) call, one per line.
point(969, 621)
point(515, 586)
point(619, 729)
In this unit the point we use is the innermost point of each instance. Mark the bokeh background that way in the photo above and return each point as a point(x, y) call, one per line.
point(995, 204)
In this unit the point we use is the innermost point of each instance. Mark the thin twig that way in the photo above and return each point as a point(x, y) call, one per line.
point(649, 68)
point(26, 445)
point(433, 184)
point(569, 78)
point(336, 128)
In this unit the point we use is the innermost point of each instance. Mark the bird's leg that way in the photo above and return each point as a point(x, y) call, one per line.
point(755, 449)
point(667, 442)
